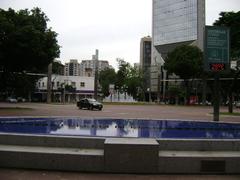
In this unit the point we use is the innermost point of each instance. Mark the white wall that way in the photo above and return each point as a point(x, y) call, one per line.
point(59, 80)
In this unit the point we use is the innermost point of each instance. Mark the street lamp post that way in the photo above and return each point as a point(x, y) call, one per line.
point(49, 84)
point(124, 88)
point(149, 94)
point(117, 88)
point(96, 75)
point(64, 92)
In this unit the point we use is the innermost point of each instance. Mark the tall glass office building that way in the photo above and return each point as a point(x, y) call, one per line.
point(174, 23)
point(177, 22)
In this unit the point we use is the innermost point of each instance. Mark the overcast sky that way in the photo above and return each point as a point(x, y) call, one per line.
point(115, 27)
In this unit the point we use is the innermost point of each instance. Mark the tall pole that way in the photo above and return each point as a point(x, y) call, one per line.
point(64, 93)
point(96, 76)
point(216, 98)
point(49, 83)
point(159, 87)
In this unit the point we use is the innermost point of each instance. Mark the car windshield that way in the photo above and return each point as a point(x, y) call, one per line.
point(92, 100)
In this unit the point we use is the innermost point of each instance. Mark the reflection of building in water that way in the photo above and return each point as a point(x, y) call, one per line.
point(88, 126)
point(123, 128)
point(93, 129)
point(151, 129)
point(72, 124)
point(143, 128)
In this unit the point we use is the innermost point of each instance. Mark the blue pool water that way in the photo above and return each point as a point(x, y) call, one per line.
point(121, 128)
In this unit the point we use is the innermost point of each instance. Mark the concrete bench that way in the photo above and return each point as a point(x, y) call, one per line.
point(52, 158)
point(131, 155)
point(205, 162)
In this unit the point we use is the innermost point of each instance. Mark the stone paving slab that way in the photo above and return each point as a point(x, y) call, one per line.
point(202, 113)
point(22, 174)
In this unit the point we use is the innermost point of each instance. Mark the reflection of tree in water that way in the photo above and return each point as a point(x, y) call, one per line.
point(124, 127)
point(162, 128)
point(206, 130)
point(30, 125)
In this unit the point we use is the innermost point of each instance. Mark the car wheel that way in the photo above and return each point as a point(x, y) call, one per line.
point(100, 109)
point(91, 107)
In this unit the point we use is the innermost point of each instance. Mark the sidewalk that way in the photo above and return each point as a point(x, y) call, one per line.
point(120, 111)
point(20, 174)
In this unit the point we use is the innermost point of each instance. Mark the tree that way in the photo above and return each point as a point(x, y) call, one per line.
point(185, 61)
point(134, 82)
point(26, 44)
point(122, 73)
point(232, 20)
point(57, 68)
point(128, 78)
point(107, 77)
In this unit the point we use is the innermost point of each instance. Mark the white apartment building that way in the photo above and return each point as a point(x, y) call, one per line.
point(80, 87)
point(85, 68)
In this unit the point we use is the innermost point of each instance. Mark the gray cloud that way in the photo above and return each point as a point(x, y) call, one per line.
point(113, 26)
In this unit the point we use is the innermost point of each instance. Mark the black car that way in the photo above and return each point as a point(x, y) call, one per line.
point(89, 104)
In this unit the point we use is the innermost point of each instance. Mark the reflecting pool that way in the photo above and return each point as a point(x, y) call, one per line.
point(121, 128)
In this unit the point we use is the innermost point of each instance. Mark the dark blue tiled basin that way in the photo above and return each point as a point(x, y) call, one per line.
point(121, 128)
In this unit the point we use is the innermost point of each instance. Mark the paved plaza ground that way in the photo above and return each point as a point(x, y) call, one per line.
point(197, 113)
point(200, 113)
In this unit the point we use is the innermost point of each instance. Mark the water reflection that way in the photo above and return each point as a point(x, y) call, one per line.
point(121, 128)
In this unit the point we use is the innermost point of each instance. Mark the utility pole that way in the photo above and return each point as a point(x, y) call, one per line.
point(159, 86)
point(49, 84)
point(96, 76)
point(216, 98)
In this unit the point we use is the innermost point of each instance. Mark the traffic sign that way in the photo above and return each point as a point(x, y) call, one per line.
point(216, 48)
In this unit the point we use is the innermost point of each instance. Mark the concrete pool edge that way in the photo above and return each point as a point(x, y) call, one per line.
point(90, 154)
point(131, 118)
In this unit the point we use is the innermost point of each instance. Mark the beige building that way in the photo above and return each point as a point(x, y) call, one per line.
point(87, 67)
point(72, 68)
point(145, 63)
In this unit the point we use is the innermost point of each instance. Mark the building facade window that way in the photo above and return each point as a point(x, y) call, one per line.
point(73, 84)
point(175, 21)
point(82, 84)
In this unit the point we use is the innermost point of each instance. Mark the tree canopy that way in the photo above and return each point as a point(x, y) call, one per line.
point(126, 79)
point(185, 61)
point(229, 88)
point(107, 77)
point(231, 20)
point(26, 44)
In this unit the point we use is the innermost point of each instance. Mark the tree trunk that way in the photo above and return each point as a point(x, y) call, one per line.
point(177, 100)
point(204, 91)
point(230, 103)
point(186, 98)
point(49, 84)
